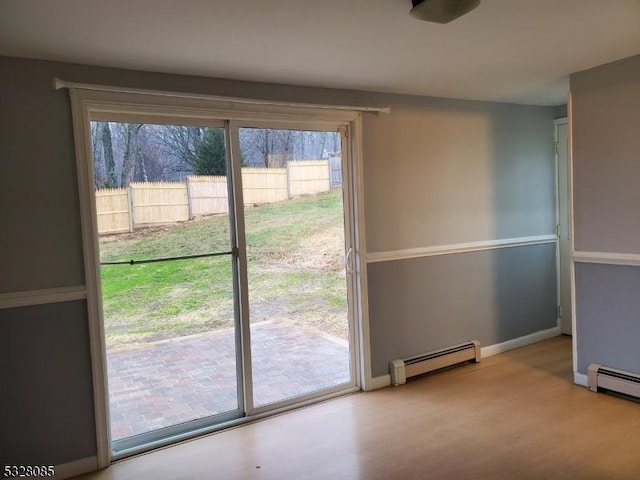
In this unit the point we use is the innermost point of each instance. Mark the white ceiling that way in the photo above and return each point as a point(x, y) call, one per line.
point(519, 51)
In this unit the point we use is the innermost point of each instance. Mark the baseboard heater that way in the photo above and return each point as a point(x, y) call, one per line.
point(613, 380)
point(428, 362)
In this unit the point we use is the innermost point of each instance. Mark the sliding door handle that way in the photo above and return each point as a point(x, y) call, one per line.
point(348, 260)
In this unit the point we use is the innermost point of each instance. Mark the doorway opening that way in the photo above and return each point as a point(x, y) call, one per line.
point(225, 268)
point(563, 225)
point(297, 273)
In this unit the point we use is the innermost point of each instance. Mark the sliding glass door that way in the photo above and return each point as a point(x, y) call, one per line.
point(297, 277)
point(167, 274)
point(225, 268)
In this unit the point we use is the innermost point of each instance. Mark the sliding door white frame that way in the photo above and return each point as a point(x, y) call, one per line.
point(95, 104)
point(343, 128)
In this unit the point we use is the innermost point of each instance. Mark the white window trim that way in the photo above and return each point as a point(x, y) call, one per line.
point(87, 101)
point(59, 84)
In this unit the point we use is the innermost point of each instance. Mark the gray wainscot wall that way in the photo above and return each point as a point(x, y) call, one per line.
point(606, 177)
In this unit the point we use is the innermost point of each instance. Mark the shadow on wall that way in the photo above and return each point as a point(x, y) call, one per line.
point(462, 172)
point(523, 194)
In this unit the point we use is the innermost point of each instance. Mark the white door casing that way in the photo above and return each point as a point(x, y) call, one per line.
point(94, 102)
point(564, 226)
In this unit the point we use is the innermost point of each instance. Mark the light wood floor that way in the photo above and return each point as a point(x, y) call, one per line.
point(513, 416)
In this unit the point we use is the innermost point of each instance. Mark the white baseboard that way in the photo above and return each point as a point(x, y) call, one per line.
point(379, 382)
point(385, 380)
point(580, 379)
point(77, 467)
point(536, 337)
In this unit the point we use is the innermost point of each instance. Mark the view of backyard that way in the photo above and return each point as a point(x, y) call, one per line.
point(167, 277)
point(295, 249)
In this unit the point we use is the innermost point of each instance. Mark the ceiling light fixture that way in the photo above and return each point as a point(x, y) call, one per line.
point(441, 11)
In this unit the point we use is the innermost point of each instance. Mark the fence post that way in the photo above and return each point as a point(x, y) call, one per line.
point(189, 208)
point(288, 181)
point(329, 169)
point(132, 224)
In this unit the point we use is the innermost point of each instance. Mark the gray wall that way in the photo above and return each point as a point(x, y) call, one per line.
point(605, 119)
point(606, 146)
point(38, 199)
point(442, 172)
point(46, 402)
point(435, 171)
point(424, 304)
point(608, 313)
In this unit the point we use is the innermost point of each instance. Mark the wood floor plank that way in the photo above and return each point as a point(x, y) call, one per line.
point(513, 416)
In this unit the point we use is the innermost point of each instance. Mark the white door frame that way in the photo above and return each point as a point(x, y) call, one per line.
point(563, 225)
point(350, 219)
point(88, 103)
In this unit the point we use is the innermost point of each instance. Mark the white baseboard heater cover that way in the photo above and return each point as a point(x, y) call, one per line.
point(607, 378)
point(428, 362)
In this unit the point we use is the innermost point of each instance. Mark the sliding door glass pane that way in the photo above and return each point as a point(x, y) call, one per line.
point(294, 221)
point(167, 282)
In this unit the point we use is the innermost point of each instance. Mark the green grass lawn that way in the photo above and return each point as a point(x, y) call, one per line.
point(295, 252)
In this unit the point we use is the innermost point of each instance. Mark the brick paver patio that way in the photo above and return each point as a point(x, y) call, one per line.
point(174, 381)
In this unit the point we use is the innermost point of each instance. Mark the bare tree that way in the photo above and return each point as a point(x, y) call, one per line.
point(130, 132)
point(285, 140)
point(270, 148)
point(103, 158)
point(156, 163)
point(263, 142)
point(109, 162)
point(126, 152)
point(183, 142)
point(98, 164)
